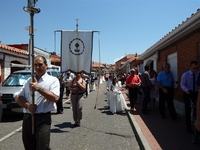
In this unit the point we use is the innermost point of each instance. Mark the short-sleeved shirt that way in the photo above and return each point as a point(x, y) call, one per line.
point(145, 78)
point(165, 79)
point(43, 105)
point(133, 79)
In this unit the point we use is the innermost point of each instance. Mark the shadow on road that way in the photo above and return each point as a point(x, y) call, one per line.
point(9, 116)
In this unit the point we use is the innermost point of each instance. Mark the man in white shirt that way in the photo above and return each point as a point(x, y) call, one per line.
point(46, 89)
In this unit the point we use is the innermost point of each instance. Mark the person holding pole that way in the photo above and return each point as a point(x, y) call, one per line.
point(46, 91)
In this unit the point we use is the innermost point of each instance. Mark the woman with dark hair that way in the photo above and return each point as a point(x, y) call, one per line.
point(77, 87)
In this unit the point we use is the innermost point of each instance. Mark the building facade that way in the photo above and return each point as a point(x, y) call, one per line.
point(179, 47)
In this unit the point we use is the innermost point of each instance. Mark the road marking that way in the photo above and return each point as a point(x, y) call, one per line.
point(17, 130)
point(10, 134)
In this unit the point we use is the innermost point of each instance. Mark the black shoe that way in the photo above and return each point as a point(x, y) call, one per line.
point(59, 112)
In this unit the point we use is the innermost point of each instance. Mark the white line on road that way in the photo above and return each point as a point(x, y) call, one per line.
point(10, 134)
point(17, 130)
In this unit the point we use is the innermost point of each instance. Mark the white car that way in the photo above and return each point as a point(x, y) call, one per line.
point(13, 83)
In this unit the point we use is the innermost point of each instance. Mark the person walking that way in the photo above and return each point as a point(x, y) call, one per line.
point(108, 85)
point(67, 80)
point(59, 103)
point(190, 91)
point(77, 87)
point(46, 89)
point(165, 82)
point(146, 87)
point(154, 90)
point(86, 79)
point(132, 82)
point(92, 84)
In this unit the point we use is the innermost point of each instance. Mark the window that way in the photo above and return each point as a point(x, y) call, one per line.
point(172, 60)
point(16, 79)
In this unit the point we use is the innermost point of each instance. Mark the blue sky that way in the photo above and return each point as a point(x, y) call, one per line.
point(126, 26)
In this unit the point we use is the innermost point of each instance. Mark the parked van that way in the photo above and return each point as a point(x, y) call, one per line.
point(13, 83)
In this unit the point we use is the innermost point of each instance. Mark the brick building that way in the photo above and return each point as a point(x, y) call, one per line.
point(179, 47)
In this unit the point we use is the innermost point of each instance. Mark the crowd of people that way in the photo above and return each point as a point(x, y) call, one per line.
point(160, 86)
point(48, 92)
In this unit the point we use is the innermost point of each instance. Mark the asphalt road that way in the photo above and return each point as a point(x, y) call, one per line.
point(99, 129)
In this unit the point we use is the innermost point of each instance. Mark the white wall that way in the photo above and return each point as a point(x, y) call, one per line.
point(151, 58)
point(8, 59)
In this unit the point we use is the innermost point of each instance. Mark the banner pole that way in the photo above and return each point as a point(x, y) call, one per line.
point(32, 10)
point(98, 71)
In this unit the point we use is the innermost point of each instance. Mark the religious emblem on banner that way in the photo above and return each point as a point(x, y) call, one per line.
point(76, 46)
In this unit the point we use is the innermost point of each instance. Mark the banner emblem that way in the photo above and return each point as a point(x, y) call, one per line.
point(76, 46)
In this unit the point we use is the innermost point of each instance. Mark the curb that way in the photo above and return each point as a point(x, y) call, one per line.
point(143, 143)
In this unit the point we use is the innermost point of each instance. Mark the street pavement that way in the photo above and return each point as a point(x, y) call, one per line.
point(155, 133)
point(99, 129)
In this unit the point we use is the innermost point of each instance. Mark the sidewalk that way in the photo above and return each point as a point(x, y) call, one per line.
point(155, 133)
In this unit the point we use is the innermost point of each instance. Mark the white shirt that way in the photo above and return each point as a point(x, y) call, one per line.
point(43, 105)
point(107, 75)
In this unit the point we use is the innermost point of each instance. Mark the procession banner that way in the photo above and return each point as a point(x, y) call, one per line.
point(76, 51)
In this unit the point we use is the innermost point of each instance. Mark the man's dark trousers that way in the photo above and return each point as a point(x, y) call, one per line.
point(163, 97)
point(146, 100)
point(187, 98)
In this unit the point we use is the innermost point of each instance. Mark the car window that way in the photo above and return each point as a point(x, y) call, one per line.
point(54, 73)
point(16, 79)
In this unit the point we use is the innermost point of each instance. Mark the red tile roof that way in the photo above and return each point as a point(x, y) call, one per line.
point(13, 49)
point(55, 58)
point(97, 64)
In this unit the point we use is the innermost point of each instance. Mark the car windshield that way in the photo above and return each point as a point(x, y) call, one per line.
point(16, 79)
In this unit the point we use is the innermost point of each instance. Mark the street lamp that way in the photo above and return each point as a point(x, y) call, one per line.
point(32, 10)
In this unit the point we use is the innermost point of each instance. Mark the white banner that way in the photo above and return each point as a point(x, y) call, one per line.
point(76, 51)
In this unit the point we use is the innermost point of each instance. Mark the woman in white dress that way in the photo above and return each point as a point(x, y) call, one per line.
point(117, 101)
point(108, 85)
